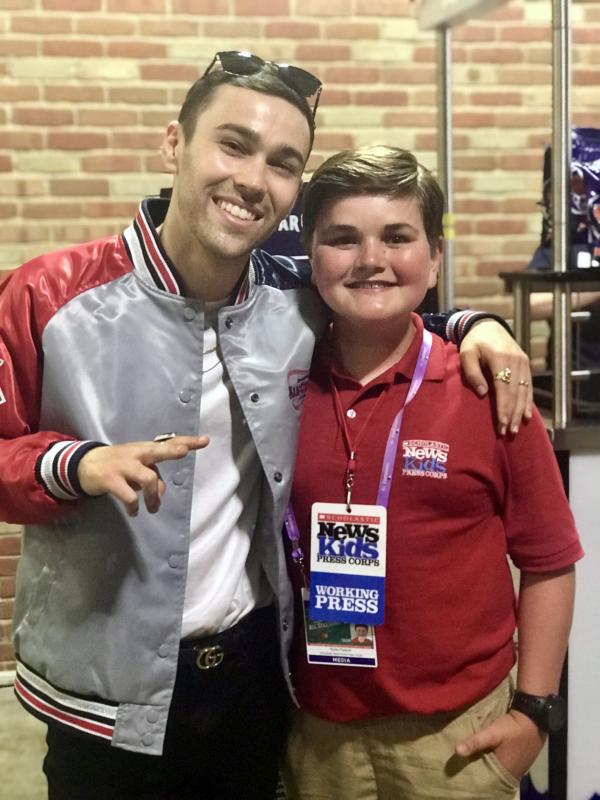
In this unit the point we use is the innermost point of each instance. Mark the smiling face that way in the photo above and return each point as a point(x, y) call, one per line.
point(371, 260)
point(235, 179)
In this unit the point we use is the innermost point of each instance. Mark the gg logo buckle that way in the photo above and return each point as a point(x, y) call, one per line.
point(210, 657)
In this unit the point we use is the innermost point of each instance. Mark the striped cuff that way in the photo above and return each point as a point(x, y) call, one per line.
point(56, 469)
point(460, 323)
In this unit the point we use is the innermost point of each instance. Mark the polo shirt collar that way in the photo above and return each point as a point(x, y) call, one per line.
point(400, 372)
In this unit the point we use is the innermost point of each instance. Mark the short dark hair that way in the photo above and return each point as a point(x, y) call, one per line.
point(374, 169)
point(265, 81)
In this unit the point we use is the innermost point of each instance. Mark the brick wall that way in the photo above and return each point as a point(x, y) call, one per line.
point(87, 86)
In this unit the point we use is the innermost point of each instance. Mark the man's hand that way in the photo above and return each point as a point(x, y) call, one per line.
point(123, 470)
point(488, 345)
point(513, 738)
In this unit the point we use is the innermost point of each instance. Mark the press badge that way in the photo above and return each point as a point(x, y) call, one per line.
point(338, 643)
point(347, 563)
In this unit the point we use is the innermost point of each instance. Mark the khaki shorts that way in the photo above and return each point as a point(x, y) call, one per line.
point(404, 757)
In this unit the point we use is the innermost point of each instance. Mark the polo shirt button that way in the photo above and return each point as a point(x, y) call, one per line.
point(188, 313)
point(351, 413)
point(277, 477)
point(152, 716)
point(147, 739)
point(185, 395)
point(179, 479)
point(163, 650)
point(173, 561)
point(229, 323)
point(254, 397)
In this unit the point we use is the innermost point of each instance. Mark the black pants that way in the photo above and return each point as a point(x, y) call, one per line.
point(225, 732)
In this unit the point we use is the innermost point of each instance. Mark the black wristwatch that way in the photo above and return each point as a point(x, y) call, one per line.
point(549, 713)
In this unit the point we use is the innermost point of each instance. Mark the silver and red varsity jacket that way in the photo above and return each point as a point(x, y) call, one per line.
point(98, 345)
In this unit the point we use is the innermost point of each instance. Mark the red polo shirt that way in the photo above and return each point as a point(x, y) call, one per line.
point(462, 498)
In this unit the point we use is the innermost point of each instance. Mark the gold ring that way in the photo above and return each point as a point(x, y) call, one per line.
point(503, 375)
point(523, 383)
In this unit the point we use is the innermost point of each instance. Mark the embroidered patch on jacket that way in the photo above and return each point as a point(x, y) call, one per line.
point(297, 386)
point(422, 458)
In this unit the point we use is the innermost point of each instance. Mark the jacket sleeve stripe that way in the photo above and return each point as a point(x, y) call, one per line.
point(57, 468)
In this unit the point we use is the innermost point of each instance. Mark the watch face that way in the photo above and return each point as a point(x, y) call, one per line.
point(556, 713)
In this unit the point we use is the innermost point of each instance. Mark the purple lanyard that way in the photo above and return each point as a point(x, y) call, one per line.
point(389, 457)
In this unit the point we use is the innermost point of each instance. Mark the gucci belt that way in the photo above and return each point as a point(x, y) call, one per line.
point(210, 657)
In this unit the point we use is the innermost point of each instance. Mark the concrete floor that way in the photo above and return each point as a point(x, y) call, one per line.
point(22, 749)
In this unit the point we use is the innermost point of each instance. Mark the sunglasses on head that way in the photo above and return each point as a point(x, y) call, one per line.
point(238, 62)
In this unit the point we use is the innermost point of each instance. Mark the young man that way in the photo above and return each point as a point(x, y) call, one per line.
point(407, 505)
point(149, 635)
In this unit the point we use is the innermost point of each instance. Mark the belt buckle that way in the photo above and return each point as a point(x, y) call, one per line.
point(210, 657)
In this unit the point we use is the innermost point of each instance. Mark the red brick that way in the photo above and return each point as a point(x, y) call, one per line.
point(333, 141)
point(167, 71)
point(476, 205)
point(135, 141)
point(497, 266)
point(111, 163)
point(102, 209)
point(20, 5)
point(18, 47)
point(351, 30)
point(19, 92)
point(586, 76)
point(506, 13)
point(157, 119)
point(5, 163)
point(424, 54)
point(334, 97)
point(470, 161)
point(323, 52)
point(381, 98)
point(233, 29)
point(153, 163)
point(409, 75)
point(495, 98)
point(21, 140)
point(521, 161)
point(523, 119)
point(74, 94)
point(42, 116)
point(428, 141)
point(109, 26)
point(7, 587)
point(501, 227)
point(591, 14)
point(8, 565)
point(52, 210)
point(139, 95)
point(585, 119)
point(106, 117)
point(525, 33)
point(40, 24)
point(76, 140)
point(496, 55)
point(72, 5)
point(351, 75)
point(85, 187)
point(201, 7)
point(7, 210)
point(137, 6)
point(538, 55)
point(72, 48)
point(473, 119)
point(6, 609)
point(290, 29)
point(520, 205)
point(262, 8)
point(6, 654)
point(463, 183)
point(408, 118)
point(140, 50)
point(522, 76)
point(474, 33)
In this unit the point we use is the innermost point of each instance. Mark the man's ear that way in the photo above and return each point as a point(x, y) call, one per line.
point(172, 142)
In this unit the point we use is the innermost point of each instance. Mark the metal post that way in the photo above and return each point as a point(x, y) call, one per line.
point(444, 162)
point(561, 188)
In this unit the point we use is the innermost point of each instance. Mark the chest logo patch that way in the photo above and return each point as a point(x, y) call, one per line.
point(422, 458)
point(297, 386)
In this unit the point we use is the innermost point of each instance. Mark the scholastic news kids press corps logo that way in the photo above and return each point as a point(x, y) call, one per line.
point(425, 459)
point(297, 386)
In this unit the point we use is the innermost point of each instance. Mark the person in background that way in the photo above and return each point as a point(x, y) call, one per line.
point(406, 504)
